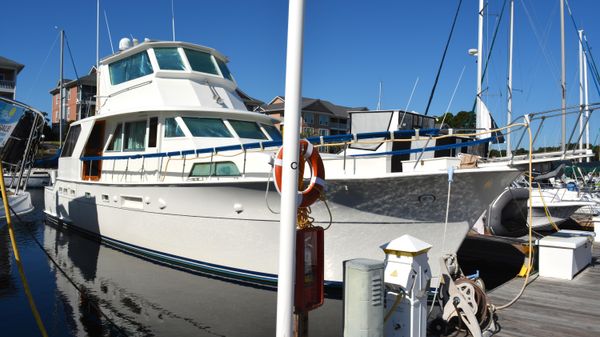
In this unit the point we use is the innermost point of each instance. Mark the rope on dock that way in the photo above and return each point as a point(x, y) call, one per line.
point(530, 234)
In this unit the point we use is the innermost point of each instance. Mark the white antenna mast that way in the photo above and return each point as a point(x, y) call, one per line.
point(97, 33)
point(109, 35)
point(173, 19)
point(379, 97)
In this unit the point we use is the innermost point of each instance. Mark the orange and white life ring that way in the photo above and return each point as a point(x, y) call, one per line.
point(317, 182)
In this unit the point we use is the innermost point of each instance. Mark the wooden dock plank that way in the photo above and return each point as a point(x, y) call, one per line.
point(551, 307)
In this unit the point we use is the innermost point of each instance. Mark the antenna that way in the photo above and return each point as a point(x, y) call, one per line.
point(97, 33)
point(109, 35)
point(379, 97)
point(173, 19)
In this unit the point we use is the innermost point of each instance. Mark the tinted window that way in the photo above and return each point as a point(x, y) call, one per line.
point(201, 61)
point(130, 68)
point(220, 169)
point(134, 136)
point(116, 141)
point(246, 129)
point(172, 129)
point(273, 131)
point(71, 140)
point(169, 58)
point(207, 127)
point(224, 70)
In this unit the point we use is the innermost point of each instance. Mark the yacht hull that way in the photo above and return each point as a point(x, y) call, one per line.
point(227, 228)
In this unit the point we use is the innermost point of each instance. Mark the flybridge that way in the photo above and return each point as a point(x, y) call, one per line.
point(166, 75)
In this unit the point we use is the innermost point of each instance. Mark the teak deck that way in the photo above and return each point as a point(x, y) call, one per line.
point(551, 307)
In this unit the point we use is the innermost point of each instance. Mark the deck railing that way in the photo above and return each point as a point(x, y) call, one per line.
point(4, 84)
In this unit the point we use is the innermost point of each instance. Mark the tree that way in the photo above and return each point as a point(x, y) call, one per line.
point(462, 120)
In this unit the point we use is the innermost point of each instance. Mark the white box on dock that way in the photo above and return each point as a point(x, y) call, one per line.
point(565, 253)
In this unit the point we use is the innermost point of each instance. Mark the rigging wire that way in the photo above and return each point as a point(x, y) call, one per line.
point(587, 50)
point(487, 60)
point(71, 56)
point(44, 63)
point(437, 77)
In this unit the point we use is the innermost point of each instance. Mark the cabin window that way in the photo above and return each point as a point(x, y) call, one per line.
point(134, 136)
point(172, 129)
point(71, 140)
point(201, 61)
point(152, 131)
point(224, 70)
point(130, 68)
point(219, 169)
point(169, 59)
point(207, 127)
point(246, 129)
point(272, 131)
point(116, 142)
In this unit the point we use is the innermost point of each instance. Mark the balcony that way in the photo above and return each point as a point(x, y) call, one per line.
point(4, 84)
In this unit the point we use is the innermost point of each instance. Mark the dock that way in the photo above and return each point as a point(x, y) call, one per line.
point(551, 307)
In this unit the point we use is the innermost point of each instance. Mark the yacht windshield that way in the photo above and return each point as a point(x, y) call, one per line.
point(272, 131)
point(224, 70)
point(169, 59)
point(246, 129)
point(207, 127)
point(201, 61)
point(130, 68)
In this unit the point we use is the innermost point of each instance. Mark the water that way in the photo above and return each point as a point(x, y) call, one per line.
point(105, 292)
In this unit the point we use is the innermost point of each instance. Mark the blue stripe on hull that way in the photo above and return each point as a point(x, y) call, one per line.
point(208, 269)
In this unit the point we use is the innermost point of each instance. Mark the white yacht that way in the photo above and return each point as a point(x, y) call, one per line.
point(173, 167)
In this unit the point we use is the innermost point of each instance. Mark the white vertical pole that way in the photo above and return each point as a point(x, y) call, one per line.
point(510, 71)
point(563, 77)
point(173, 19)
point(97, 33)
point(379, 97)
point(586, 102)
point(479, 123)
point(291, 134)
point(581, 99)
point(60, 90)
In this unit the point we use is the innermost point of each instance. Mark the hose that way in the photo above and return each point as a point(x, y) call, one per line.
point(13, 241)
point(530, 239)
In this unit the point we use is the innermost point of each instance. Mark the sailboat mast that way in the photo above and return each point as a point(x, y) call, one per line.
point(581, 99)
point(509, 80)
point(586, 102)
point(563, 81)
point(60, 90)
point(478, 108)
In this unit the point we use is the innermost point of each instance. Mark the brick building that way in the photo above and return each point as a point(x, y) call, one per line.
point(79, 98)
point(319, 117)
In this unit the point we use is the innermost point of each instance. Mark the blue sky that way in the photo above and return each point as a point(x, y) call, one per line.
point(350, 46)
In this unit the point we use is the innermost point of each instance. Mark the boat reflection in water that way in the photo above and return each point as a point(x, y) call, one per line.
point(148, 299)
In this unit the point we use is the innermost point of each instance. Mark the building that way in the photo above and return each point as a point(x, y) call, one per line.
point(9, 70)
point(319, 117)
point(79, 98)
